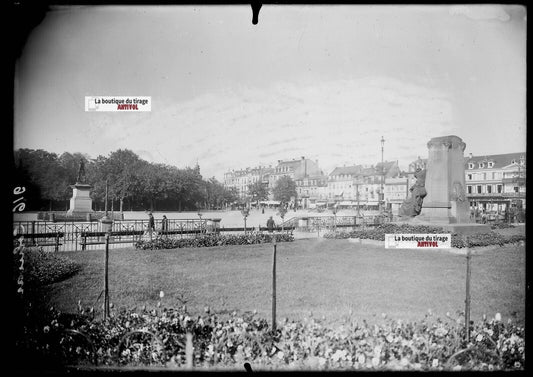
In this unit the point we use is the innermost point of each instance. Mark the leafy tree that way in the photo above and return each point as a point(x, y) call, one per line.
point(258, 191)
point(217, 195)
point(43, 170)
point(284, 189)
point(154, 182)
point(123, 166)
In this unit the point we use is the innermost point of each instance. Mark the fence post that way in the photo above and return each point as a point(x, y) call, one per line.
point(467, 300)
point(33, 232)
point(274, 284)
point(189, 351)
point(57, 242)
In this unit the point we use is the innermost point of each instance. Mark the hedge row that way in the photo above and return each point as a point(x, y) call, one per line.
point(378, 233)
point(41, 268)
point(215, 239)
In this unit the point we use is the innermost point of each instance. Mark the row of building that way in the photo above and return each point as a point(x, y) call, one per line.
point(494, 183)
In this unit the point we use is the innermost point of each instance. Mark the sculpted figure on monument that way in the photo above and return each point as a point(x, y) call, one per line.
point(412, 206)
point(81, 173)
point(458, 193)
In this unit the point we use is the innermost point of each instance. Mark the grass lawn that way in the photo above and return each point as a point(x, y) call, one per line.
point(324, 276)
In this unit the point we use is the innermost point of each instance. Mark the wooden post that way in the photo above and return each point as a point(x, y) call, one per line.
point(57, 242)
point(274, 285)
point(106, 278)
point(189, 351)
point(467, 301)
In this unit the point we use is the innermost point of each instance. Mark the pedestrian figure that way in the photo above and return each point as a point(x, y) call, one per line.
point(270, 224)
point(164, 224)
point(151, 224)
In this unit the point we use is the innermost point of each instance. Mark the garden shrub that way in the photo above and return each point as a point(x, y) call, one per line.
point(41, 268)
point(215, 239)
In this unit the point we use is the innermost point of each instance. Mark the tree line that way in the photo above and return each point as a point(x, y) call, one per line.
point(132, 183)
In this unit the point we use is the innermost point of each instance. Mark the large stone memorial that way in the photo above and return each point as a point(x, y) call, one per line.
point(81, 203)
point(446, 203)
point(445, 182)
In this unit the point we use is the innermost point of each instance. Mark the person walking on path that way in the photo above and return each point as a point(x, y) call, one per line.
point(270, 224)
point(151, 224)
point(164, 224)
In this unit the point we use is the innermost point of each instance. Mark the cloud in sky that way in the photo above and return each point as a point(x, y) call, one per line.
point(319, 81)
point(243, 126)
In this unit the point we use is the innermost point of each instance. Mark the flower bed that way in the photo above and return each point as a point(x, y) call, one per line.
point(208, 240)
point(378, 234)
point(158, 338)
point(41, 268)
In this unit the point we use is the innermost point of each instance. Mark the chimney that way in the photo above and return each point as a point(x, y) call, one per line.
point(470, 155)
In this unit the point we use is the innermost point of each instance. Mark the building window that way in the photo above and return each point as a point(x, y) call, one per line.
point(470, 165)
point(513, 161)
point(469, 177)
point(481, 165)
point(469, 188)
point(499, 188)
point(491, 164)
point(489, 189)
point(516, 189)
point(479, 189)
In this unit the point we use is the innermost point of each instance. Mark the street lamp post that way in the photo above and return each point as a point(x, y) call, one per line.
point(107, 225)
point(382, 197)
point(358, 205)
point(334, 210)
point(245, 212)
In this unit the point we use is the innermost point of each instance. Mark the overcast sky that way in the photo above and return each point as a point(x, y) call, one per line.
point(325, 82)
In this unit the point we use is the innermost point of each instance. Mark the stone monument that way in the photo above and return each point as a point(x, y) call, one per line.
point(81, 202)
point(445, 204)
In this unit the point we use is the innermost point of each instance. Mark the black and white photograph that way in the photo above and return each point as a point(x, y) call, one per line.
point(268, 187)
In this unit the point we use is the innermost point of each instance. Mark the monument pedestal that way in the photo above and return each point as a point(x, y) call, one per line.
point(81, 202)
point(446, 204)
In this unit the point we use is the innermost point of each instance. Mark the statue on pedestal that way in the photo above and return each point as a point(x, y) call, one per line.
point(81, 173)
point(412, 206)
point(81, 202)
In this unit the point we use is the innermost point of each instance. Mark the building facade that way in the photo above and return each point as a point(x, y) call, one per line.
point(304, 172)
point(360, 186)
point(495, 183)
point(396, 191)
point(241, 179)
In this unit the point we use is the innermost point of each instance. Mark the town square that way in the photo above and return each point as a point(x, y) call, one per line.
point(269, 187)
